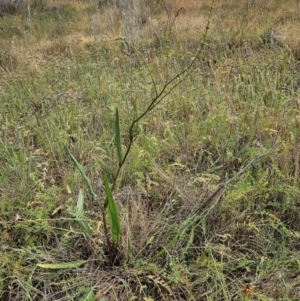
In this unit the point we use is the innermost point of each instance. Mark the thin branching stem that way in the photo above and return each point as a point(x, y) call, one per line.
point(168, 87)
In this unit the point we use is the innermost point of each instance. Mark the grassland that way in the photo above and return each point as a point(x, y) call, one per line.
point(209, 197)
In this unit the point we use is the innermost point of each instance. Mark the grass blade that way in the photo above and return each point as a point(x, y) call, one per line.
point(112, 212)
point(135, 118)
point(1, 281)
point(88, 296)
point(81, 170)
point(63, 265)
point(118, 136)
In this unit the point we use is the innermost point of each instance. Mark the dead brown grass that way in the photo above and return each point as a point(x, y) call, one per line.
point(230, 19)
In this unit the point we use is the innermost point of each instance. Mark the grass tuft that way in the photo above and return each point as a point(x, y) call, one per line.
point(208, 198)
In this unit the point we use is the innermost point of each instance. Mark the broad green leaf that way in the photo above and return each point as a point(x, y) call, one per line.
point(84, 226)
point(80, 202)
point(78, 213)
point(113, 213)
point(88, 296)
point(63, 265)
point(118, 136)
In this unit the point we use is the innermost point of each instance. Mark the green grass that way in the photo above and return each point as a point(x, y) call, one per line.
point(60, 85)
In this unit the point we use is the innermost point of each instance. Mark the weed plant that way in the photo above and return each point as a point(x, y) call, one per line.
point(208, 197)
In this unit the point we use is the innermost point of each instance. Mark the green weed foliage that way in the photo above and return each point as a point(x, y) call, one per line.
point(150, 150)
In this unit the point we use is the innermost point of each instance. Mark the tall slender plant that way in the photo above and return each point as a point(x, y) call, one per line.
point(109, 203)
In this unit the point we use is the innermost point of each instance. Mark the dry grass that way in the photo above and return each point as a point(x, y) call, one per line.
point(65, 70)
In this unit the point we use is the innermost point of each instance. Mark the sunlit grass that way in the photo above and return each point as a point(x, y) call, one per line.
point(64, 71)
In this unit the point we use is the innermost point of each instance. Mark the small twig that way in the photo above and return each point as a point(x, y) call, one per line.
point(222, 187)
point(204, 294)
point(174, 19)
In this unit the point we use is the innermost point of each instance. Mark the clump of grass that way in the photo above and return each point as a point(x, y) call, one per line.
point(62, 88)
